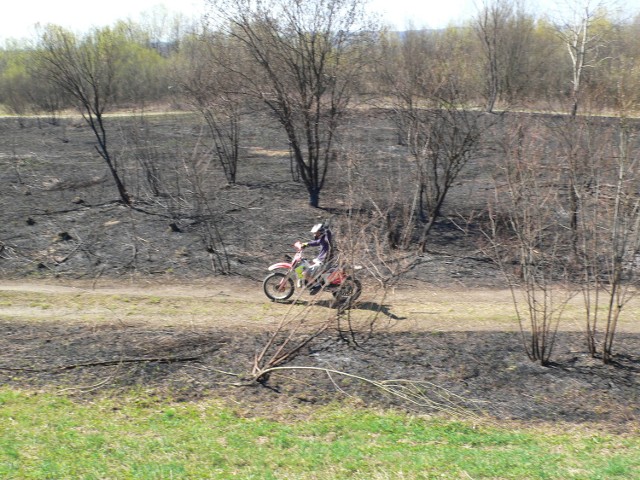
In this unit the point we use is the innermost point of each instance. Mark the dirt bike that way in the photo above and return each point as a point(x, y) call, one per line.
point(288, 275)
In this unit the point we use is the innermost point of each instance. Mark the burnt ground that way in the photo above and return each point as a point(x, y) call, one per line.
point(63, 224)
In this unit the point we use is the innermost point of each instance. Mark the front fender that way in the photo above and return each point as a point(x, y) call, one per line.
point(281, 265)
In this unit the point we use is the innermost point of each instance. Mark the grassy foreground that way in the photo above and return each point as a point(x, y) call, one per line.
point(44, 436)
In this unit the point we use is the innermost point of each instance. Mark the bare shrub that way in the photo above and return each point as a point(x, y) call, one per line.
point(608, 233)
point(527, 238)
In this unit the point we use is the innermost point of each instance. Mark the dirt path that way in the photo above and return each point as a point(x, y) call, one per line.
point(234, 299)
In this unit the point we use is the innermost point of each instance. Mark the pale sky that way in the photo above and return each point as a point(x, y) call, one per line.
point(20, 16)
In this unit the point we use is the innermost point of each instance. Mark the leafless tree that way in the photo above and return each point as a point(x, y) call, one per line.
point(505, 33)
point(307, 55)
point(489, 23)
point(210, 85)
point(583, 42)
point(85, 69)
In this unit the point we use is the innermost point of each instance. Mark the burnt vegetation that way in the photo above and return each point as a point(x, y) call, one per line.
point(209, 152)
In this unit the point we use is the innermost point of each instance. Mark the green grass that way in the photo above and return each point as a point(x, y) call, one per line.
point(51, 437)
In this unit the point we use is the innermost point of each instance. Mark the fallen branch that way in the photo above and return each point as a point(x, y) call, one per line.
point(104, 363)
point(412, 392)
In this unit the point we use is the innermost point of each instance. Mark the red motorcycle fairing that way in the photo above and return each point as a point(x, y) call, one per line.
point(275, 266)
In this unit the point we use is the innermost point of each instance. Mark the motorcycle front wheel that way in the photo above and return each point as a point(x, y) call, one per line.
point(278, 286)
point(347, 293)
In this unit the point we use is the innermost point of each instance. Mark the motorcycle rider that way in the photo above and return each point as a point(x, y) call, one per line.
point(323, 238)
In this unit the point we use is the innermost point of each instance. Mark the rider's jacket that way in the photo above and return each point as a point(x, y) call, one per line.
point(324, 242)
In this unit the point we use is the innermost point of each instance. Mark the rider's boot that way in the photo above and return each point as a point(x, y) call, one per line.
point(316, 285)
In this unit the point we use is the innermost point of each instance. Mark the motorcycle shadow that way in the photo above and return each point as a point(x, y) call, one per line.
point(380, 308)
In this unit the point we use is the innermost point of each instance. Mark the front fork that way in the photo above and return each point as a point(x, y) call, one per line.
point(282, 286)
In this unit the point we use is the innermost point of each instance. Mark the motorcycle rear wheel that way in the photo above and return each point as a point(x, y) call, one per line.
point(347, 293)
point(278, 287)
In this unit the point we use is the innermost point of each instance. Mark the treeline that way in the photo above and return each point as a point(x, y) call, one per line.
point(504, 57)
point(142, 73)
